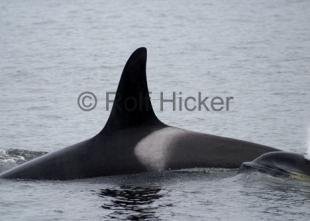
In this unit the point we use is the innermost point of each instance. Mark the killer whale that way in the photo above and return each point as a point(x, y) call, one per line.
point(280, 164)
point(134, 140)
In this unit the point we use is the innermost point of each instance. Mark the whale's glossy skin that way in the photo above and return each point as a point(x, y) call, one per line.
point(134, 140)
point(280, 163)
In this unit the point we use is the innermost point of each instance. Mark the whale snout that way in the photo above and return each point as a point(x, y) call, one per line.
point(248, 166)
point(280, 163)
point(264, 168)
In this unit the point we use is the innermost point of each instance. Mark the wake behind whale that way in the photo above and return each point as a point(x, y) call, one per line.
point(135, 140)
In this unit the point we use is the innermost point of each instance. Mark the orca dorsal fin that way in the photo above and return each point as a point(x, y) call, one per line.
point(132, 105)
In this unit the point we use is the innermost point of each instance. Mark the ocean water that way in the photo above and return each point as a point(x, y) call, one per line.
point(255, 51)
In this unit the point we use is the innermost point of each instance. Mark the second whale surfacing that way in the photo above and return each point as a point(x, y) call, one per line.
point(280, 164)
point(134, 140)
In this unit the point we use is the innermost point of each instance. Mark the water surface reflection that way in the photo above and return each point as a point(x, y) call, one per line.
point(132, 202)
